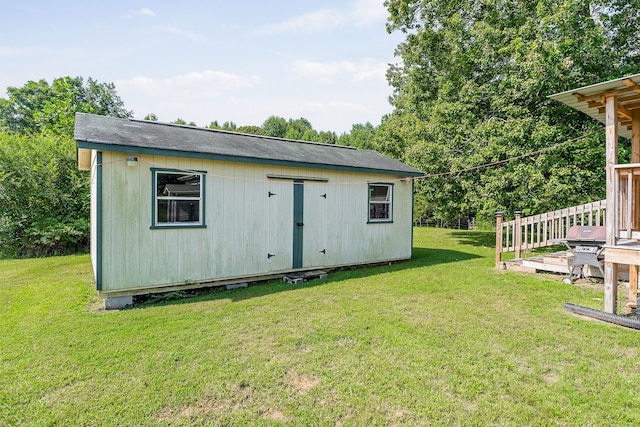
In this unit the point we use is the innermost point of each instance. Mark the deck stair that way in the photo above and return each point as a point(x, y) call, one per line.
point(557, 262)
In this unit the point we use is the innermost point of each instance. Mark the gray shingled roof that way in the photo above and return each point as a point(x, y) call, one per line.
point(138, 136)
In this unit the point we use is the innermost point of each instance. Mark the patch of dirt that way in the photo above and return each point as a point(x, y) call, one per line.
point(239, 398)
point(469, 406)
point(275, 415)
point(300, 383)
point(627, 352)
point(550, 378)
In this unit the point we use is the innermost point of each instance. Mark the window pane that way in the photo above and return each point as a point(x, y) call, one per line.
point(178, 211)
point(380, 193)
point(177, 185)
point(379, 211)
point(380, 202)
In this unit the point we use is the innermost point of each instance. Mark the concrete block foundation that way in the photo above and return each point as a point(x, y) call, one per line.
point(116, 303)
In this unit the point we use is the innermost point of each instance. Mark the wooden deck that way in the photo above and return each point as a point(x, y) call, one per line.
point(559, 263)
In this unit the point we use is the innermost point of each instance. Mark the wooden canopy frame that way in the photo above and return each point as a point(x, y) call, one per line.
point(615, 103)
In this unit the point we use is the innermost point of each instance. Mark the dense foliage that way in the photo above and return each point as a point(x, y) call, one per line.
point(38, 107)
point(44, 198)
point(472, 89)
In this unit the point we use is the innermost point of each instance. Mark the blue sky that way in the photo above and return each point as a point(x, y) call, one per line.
point(239, 61)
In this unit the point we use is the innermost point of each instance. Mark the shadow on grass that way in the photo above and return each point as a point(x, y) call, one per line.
point(488, 239)
point(422, 257)
point(475, 238)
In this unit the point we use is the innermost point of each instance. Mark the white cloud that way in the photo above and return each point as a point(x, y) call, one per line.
point(361, 12)
point(199, 96)
point(146, 12)
point(366, 69)
point(205, 82)
point(315, 21)
point(182, 32)
point(336, 106)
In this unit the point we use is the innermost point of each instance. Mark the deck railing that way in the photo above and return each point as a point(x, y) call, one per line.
point(628, 189)
point(525, 233)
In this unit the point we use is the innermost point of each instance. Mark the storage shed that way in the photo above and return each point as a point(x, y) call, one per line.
point(177, 207)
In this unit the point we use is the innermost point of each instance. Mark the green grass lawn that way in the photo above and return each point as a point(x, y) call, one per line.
point(443, 339)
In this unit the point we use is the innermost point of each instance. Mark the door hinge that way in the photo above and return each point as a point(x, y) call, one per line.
point(272, 194)
point(269, 256)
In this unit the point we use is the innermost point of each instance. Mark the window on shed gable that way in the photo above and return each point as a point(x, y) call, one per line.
point(380, 202)
point(178, 198)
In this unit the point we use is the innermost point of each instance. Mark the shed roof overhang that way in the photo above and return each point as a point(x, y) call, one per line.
point(102, 133)
point(591, 100)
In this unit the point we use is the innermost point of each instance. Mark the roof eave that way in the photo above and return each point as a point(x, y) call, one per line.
point(575, 98)
point(102, 146)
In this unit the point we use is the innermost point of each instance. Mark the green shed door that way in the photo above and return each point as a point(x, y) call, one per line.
point(298, 223)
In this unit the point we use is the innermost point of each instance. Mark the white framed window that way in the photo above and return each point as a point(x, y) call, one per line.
point(178, 199)
point(380, 202)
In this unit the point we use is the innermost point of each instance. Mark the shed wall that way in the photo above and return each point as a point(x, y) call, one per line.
point(243, 224)
point(93, 206)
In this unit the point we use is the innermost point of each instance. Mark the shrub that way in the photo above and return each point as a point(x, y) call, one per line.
point(44, 198)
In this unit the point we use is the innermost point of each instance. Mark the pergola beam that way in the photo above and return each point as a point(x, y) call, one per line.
point(602, 96)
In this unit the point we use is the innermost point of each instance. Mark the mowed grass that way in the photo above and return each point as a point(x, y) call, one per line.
point(443, 339)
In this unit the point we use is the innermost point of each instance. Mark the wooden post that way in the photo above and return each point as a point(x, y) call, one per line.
point(610, 268)
point(517, 234)
point(633, 283)
point(498, 239)
point(635, 158)
point(635, 136)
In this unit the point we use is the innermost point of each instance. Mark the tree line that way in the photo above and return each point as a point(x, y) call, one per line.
point(275, 126)
point(470, 88)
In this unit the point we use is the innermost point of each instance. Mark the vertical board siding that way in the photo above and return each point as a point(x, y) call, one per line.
point(243, 224)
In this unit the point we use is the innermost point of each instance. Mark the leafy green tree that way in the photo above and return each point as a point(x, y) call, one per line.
point(275, 126)
point(360, 136)
point(151, 117)
point(296, 129)
point(44, 198)
point(179, 121)
point(39, 107)
point(472, 89)
point(253, 130)
point(328, 137)
point(230, 126)
point(16, 111)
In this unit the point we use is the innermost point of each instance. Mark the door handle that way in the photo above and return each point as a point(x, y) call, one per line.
point(300, 224)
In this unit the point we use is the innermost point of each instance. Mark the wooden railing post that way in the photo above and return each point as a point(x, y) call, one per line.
point(517, 234)
point(498, 239)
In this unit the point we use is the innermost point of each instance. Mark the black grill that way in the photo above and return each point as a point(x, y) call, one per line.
point(586, 243)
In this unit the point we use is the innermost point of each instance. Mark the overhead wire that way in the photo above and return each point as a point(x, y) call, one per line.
point(426, 176)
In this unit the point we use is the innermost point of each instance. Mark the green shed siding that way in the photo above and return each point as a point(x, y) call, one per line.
point(244, 224)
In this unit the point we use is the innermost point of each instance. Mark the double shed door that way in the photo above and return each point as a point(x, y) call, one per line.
point(297, 224)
